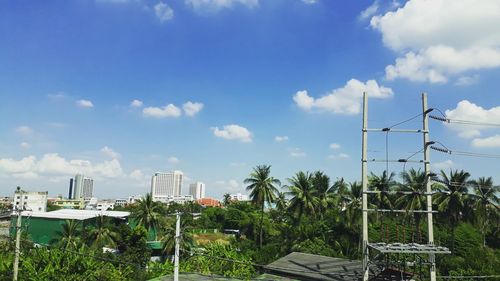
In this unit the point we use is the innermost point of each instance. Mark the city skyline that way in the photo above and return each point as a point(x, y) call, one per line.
point(117, 90)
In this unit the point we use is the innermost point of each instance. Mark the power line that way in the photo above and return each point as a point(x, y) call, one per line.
point(469, 277)
point(461, 121)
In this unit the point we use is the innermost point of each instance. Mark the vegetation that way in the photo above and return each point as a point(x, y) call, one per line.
point(309, 214)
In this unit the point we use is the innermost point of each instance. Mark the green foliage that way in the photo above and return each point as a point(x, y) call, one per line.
point(219, 259)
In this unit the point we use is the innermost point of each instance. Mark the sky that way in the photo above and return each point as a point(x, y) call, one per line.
point(120, 89)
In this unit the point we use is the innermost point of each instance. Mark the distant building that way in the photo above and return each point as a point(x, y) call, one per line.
point(31, 200)
point(239, 197)
point(164, 185)
point(180, 199)
point(105, 205)
point(197, 190)
point(69, 203)
point(121, 202)
point(81, 187)
point(209, 202)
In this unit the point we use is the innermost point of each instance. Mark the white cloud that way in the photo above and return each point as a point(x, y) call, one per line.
point(137, 175)
point(493, 141)
point(24, 130)
point(57, 96)
point(192, 108)
point(84, 103)
point(370, 11)
point(297, 152)
point(233, 183)
point(25, 145)
point(334, 146)
point(466, 110)
point(163, 12)
point(169, 110)
point(441, 38)
point(310, 2)
point(281, 138)
point(443, 165)
point(52, 164)
point(173, 160)
point(467, 80)
point(215, 5)
point(346, 100)
point(339, 156)
point(233, 132)
point(110, 152)
point(136, 103)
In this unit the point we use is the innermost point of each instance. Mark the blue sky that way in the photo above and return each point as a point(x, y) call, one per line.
point(223, 85)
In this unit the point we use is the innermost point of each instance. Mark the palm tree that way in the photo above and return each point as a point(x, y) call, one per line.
point(281, 203)
point(324, 192)
point(414, 186)
point(384, 184)
point(101, 234)
point(69, 236)
point(147, 213)
point(351, 201)
point(451, 197)
point(263, 189)
point(168, 237)
point(227, 199)
point(304, 196)
point(485, 202)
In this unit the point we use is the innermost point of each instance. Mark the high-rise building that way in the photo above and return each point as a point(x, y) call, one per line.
point(197, 190)
point(81, 187)
point(165, 185)
point(35, 201)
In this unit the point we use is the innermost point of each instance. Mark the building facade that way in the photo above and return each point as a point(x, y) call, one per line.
point(69, 203)
point(81, 187)
point(165, 185)
point(239, 197)
point(31, 200)
point(197, 190)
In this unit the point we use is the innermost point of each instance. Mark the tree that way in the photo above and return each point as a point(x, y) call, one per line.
point(147, 213)
point(101, 235)
point(168, 237)
point(352, 203)
point(281, 202)
point(70, 234)
point(414, 185)
point(227, 199)
point(384, 184)
point(324, 192)
point(451, 197)
point(303, 195)
point(263, 189)
point(485, 203)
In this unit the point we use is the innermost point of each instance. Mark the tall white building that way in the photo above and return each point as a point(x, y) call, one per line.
point(35, 201)
point(166, 185)
point(81, 187)
point(197, 190)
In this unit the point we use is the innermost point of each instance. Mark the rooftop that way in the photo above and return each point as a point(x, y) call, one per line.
point(71, 214)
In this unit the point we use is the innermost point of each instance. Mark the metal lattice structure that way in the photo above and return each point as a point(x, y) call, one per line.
point(394, 254)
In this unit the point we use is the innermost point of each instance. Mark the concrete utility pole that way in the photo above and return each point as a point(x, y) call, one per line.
point(364, 182)
point(428, 184)
point(19, 210)
point(177, 246)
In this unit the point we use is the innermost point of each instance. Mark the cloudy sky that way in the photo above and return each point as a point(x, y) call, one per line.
point(119, 89)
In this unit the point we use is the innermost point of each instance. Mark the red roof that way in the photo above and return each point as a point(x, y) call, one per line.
point(209, 202)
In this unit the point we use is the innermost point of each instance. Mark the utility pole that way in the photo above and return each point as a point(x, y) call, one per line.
point(364, 182)
point(428, 185)
point(177, 246)
point(19, 210)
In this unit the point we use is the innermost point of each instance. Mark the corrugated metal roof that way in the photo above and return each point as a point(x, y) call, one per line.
point(72, 214)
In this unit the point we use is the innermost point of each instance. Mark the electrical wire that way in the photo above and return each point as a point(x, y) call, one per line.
point(469, 277)
point(461, 121)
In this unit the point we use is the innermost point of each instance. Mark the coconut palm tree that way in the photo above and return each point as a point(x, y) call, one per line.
point(451, 197)
point(281, 202)
point(351, 201)
point(324, 192)
point(69, 236)
point(263, 189)
point(147, 213)
point(304, 197)
point(413, 199)
point(167, 237)
point(226, 199)
point(101, 235)
point(384, 184)
point(485, 202)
